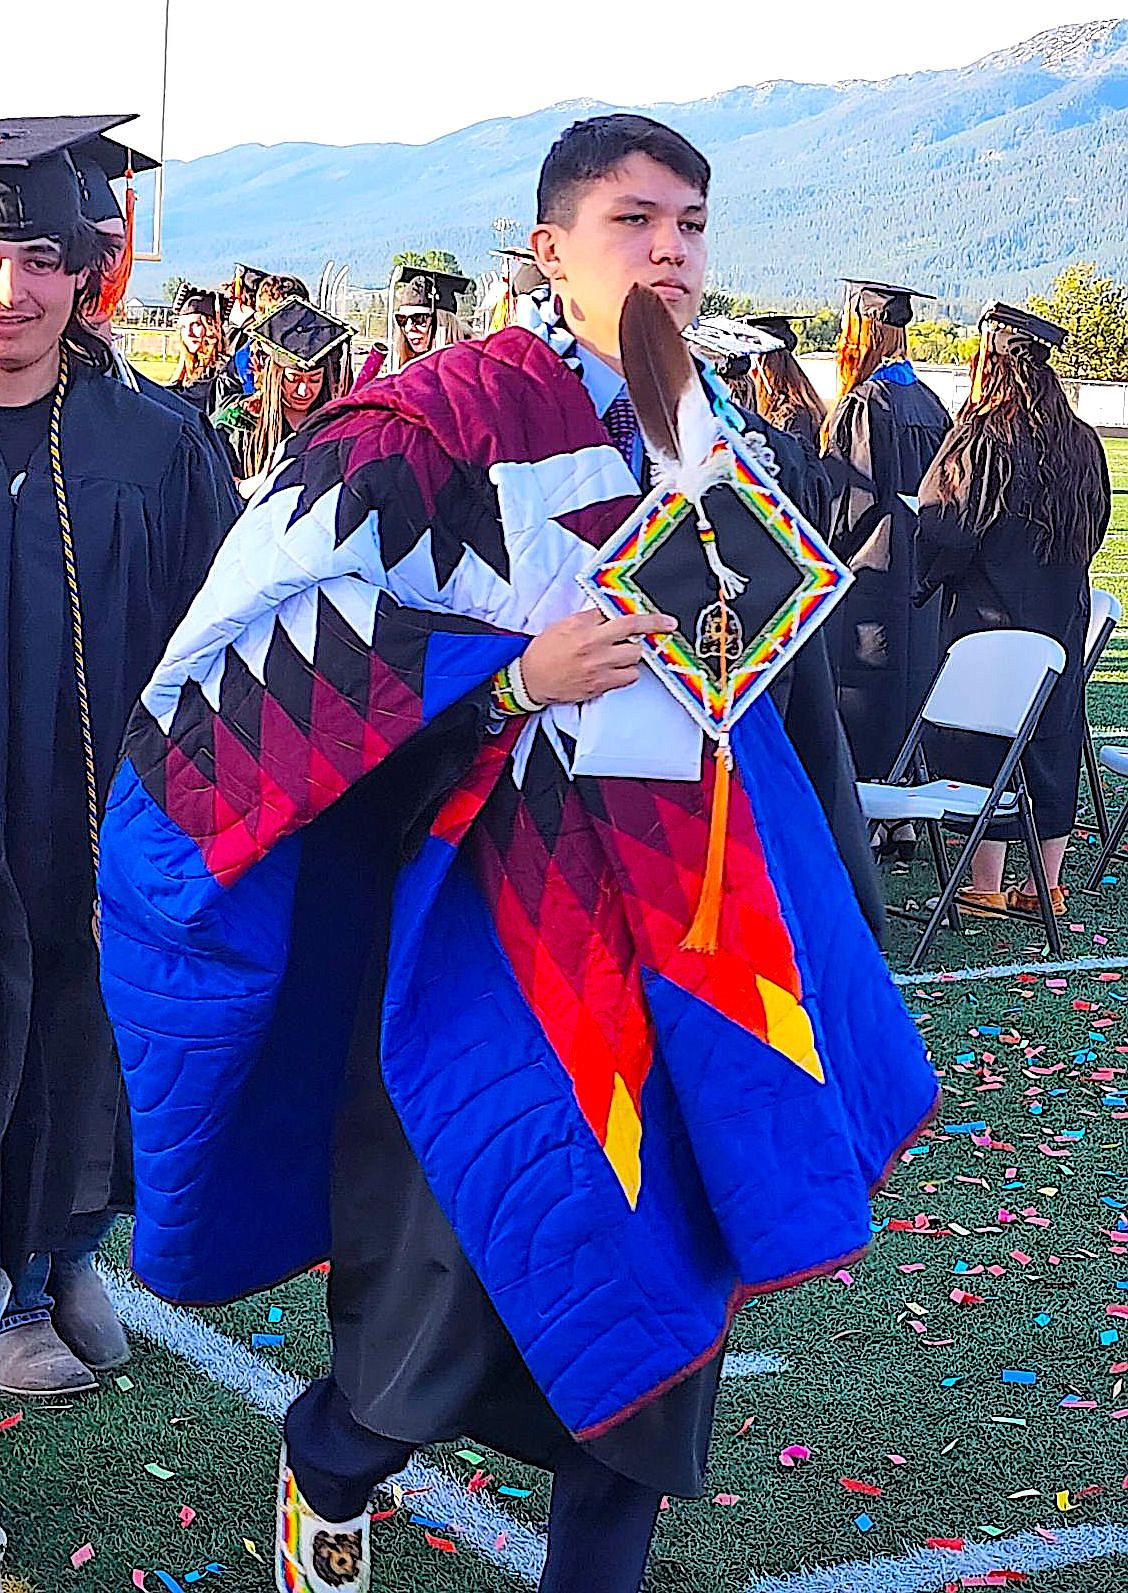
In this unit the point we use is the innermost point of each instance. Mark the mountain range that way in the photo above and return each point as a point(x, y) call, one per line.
point(977, 181)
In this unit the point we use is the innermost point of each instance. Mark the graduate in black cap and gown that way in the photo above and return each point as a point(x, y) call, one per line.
point(112, 510)
point(1012, 514)
point(101, 163)
point(879, 440)
point(303, 363)
point(784, 394)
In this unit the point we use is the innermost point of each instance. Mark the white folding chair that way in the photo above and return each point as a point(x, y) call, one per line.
point(1104, 617)
point(993, 683)
point(1114, 759)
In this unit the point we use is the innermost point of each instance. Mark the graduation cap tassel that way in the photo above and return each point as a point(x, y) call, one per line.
point(115, 283)
point(704, 932)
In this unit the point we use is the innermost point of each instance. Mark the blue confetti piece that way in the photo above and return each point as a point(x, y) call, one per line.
point(267, 1341)
point(1072, 1133)
point(863, 1523)
point(430, 1523)
point(1110, 1336)
point(1116, 1205)
point(965, 1128)
point(950, 1382)
point(515, 1493)
point(274, 1314)
point(1026, 1379)
point(1043, 1319)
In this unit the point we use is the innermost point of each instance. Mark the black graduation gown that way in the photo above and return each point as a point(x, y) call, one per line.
point(989, 577)
point(149, 507)
point(169, 398)
point(884, 436)
point(419, 1351)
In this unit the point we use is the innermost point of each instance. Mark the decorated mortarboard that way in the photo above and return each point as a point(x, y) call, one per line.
point(40, 192)
point(297, 333)
point(716, 543)
point(433, 290)
point(730, 344)
point(1012, 330)
point(100, 162)
point(779, 324)
point(879, 301)
point(718, 546)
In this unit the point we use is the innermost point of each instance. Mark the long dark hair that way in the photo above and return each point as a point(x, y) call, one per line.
point(91, 252)
point(1042, 462)
point(784, 391)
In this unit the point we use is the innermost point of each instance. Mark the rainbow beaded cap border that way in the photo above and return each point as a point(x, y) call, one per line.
point(612, 581)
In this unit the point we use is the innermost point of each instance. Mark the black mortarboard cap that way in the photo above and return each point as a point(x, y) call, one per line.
point(299, 333)
point(198, 301)
point(879, 301)
point(250, 277)
point(101, 162)
point(779, 323)
point(1013, 330)
point(40, 194)
point(433, 290)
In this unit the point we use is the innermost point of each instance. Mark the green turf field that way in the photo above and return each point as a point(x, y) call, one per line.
point(1020, 1221)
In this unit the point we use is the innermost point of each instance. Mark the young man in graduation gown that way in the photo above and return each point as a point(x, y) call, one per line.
point(880, 439)
point(381, 928)
point(99, 164)
point(110, 511)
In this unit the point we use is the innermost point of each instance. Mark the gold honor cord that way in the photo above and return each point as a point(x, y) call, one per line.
point(70, 566)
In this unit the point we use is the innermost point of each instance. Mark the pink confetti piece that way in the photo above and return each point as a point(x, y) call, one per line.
point(844, 1278)
point(138, 1580)
point(896, 1460)
point(503, 1538)
point(794, 1455)
point(187, 1515)
point(726, 1498)
point(82, 1556)
point(913, 1266)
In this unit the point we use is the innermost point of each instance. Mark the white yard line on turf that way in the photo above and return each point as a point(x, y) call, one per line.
point(927, 1570)
point(754, 1365)
point(270, 1390)
point(1009, 970)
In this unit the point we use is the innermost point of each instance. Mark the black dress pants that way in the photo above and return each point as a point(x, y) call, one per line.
point(600, 1524)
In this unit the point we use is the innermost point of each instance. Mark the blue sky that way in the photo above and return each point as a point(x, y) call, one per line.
point(412, 72)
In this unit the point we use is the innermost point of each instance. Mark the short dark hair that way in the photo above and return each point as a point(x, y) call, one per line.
point(588, 151)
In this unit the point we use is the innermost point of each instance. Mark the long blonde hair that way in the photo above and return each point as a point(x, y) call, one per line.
point(863, 345)
point(448, 329)
point(270, 412)
point(195, 366)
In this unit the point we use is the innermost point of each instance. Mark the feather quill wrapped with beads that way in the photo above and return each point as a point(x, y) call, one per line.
point(675, 416)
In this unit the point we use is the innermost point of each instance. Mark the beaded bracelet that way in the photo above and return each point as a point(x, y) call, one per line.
point(510, 694)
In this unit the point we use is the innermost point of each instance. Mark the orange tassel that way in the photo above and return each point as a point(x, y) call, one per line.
point(115, 283)
point(704, 932)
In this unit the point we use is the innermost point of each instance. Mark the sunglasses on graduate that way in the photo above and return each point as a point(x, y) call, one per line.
point(413, 318)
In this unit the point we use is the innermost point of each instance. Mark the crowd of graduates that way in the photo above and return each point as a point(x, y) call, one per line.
point(120, 495)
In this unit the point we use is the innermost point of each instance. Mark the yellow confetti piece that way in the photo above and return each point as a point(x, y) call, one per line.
point(252, 1549)
point(1064, 1502)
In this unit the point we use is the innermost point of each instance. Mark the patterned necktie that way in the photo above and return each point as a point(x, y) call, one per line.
point(622, 422)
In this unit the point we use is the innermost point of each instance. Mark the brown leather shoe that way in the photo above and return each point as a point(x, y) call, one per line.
point(973, 901)
point(86, 1321)
point(35, 1363)
point(1019, 902)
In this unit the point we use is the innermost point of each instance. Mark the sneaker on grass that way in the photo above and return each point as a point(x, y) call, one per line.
point(313, 1555)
